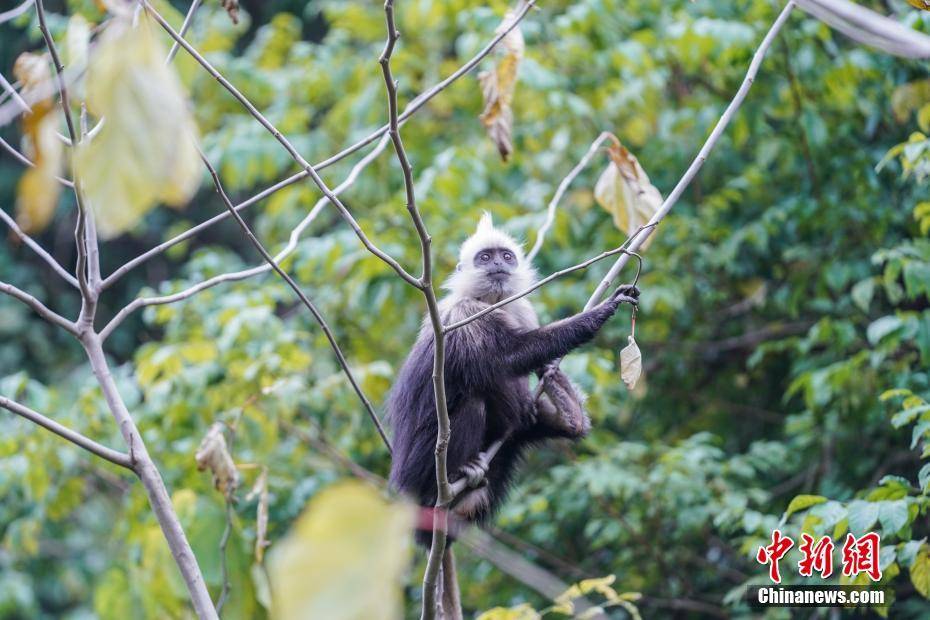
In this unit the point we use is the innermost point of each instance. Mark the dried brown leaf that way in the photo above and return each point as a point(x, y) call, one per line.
point(213, 454)
point(498, 86)
point(631, 363)
point(38, 190)
point(624, 190)
point(232, 8)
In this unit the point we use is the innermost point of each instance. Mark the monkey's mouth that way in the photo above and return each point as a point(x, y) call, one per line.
point(500, 274)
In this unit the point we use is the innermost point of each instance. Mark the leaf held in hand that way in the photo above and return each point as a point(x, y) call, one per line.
point(146, 152)
point(624, 191)
point(345, 558)
point(498, 86)
point(213, 454)
point(38, 190)
point(631, 363)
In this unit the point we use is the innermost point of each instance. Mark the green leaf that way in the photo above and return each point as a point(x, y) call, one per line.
point(862, 516)
point(862, 293)
point(802, 502)
point(893, 516)
point(882, 327)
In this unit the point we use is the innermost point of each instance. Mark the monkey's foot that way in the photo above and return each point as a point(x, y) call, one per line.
point(475, 471)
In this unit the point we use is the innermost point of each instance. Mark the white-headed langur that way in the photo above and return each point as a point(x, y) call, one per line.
point(487, 366)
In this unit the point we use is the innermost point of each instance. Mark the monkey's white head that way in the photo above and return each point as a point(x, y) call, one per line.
point(491, 265)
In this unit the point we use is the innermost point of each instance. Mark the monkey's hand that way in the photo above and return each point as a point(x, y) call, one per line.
point(475, 471)
point(626, 293)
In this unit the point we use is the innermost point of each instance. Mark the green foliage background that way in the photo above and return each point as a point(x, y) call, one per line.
point(782, 300)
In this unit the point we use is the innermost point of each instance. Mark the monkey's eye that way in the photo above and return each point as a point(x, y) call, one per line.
point(508, 256)
point(485, 257)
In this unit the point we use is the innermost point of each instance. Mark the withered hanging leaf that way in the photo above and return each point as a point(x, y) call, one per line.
point(38, 190)
point(260, 490)
point(624, 190)
point(213, 454)
point(498, 86)
point(232, 9)
point(923, 5)
point(631, 363)
point(146, 152)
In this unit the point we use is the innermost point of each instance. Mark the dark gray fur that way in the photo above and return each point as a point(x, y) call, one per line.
point(487, 368)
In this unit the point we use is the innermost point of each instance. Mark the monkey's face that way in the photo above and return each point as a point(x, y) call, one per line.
point(496, 264)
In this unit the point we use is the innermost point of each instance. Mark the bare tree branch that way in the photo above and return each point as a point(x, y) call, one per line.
point(640, 236)
point(8, 88)
point(6, 146)
point(88, 298)
point(247, 273)
point(444, 496)
point(15, 12)
point(303, 298)
point(41, 309)
point(38, 249)
point(560, 191)
point(264, 122)
point(866, 26)
point(409, 111)
point(188, 20)
point(114, 456)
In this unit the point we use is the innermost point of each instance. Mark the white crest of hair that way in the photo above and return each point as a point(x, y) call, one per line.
point(469, 283)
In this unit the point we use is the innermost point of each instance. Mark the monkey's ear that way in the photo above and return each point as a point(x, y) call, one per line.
point(458, 266)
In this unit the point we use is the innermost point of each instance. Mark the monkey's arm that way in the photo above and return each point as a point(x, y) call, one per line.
point(538, 347)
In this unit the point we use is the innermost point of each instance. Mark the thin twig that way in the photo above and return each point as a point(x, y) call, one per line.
point(38, 249)
point(640, 237)
point(88, 297)
point(408, 112)
point(41, 309)
point(114, 456)
point(560, 191)
point(558, 274)
point(24, 107)
point(444, 495)
point(292, 151)
point(235, 276)
point(6, 146)
point(224, 565)
point(16, 12)
point(188, 20)
point(303, 298)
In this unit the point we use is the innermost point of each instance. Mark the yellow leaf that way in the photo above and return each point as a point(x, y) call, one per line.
point(344, 559)
point(909, 97)
point(920, 573)
point(923, 5)
point(146, 150)
point(520, 612)
point(624, 191)
point(498, 86)
point(38, 190)
point(631, 363)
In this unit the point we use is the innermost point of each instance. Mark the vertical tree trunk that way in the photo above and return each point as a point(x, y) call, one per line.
point(152, 481)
